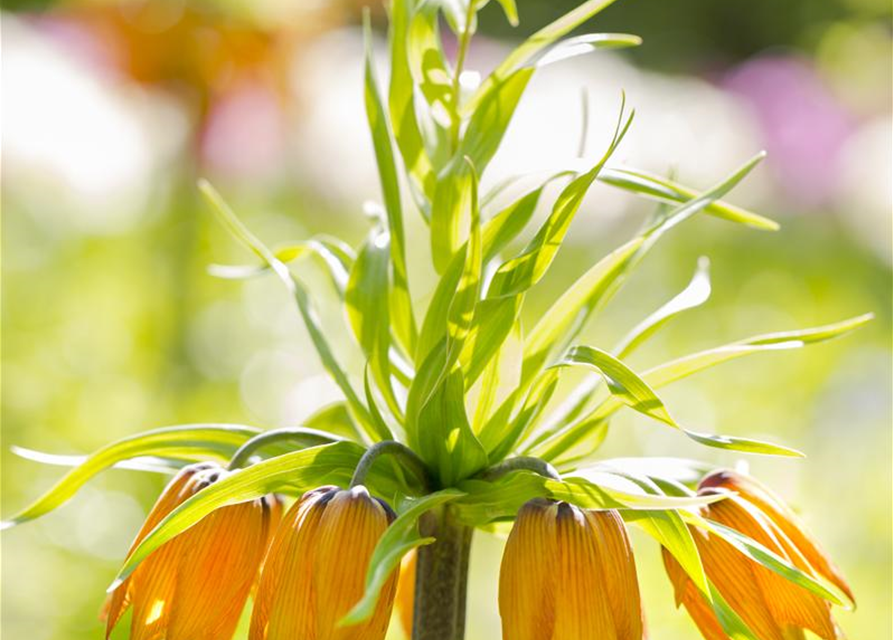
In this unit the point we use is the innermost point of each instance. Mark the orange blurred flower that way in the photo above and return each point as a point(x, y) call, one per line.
point(405, 599)
point(773, 607)
point(316, 569)
point(569, 574)
point(194, 587)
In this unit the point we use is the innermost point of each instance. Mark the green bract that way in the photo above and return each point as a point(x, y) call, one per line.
point(435, 376)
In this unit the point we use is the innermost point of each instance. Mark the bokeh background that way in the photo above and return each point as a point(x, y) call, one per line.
point(112, 324)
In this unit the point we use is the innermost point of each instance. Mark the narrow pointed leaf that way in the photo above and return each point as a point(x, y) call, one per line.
point(189, 441)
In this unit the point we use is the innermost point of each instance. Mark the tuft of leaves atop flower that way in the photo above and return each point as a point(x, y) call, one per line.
point(441, 389)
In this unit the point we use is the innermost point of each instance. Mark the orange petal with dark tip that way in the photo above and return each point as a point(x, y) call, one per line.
point(526, 578)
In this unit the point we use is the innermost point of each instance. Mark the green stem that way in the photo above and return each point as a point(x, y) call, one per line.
point(521, 463)
point(303, 438)
point(441, 578)
point(391, 448)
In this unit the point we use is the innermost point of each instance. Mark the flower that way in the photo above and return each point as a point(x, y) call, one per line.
point(405, 598)
point(315, 571)
point(194, 587)
point(569, 574)
point(773, 607)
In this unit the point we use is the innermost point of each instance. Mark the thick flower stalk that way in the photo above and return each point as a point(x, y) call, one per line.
point(316, 568)
point(569, 574)
point(771, 606)
point(195, 586)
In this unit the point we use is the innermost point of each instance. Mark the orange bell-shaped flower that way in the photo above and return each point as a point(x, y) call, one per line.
point(315, 571)
point(569, 574)
point(773, 607)
point(194, 587)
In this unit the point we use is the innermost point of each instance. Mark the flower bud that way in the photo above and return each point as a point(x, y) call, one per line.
point(315, 571)
point(194, 586)
point(773, 607)
point(405, 598)
point(569, 574)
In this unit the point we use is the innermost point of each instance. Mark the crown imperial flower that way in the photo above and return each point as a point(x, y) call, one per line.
point(773, 607)
point(194, 587)
point(569, 574)
point(316, 568)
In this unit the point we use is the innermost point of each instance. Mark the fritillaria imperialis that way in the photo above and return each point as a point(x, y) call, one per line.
point(452, 422)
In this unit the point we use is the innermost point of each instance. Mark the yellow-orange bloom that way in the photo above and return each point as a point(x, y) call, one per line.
point(405, 599)
point(315, 571)
point(194, 587)
point(569, 574)
point(773, 607)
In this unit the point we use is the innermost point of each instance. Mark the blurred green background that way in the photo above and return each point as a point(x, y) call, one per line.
point(112, 325)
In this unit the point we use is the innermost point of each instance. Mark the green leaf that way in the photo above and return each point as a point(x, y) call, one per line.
point(451, 310)
point(403, 319)
point(400, 537)
point(510, 10)
point(694, 295)
point(597, 286)
point(298, 471)
point(335, 256)
point(188, 442)
point(564, 439)
point(154, 464)
point(449, 219)
point(491, 118)
point(526, 51)
point(664, 190)
point(505, 226)
point(311, 321)
point(632, 390)
point(524, 271)
point(581, 45)
point(670, 530)
point(601, 492)
point(462, 306)
point(625, 385)
point(445, 439)
point(499, 438)
point(402, 108)
point(366, 301)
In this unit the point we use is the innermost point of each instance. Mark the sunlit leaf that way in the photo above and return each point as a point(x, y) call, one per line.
point(595, 288)
point(366, 302)
point(398, 296)
point(214, 441)
point(582, 45)
point(297, 290)
point(664, 190)
point(543, 38)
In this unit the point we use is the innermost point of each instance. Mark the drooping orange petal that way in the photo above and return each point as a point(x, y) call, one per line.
point(784, 517)
point(582, 607)
point(619, 571)
point(285, 603)
point(351, 526)
point(172, 495)
point(788, 603)
point(216, 570)
point(687, 595)
point(526, 578)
